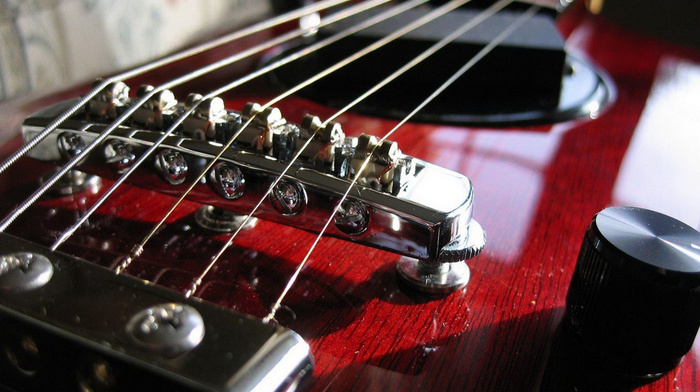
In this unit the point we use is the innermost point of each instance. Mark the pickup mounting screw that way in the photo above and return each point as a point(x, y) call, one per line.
point(167, 329)
point(24, 271)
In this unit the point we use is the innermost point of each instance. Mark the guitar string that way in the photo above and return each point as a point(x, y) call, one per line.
point(140, 102)
point(139, 248)
point(482, 16)
point(237, 83)
point(531, 11)
point(231, 37)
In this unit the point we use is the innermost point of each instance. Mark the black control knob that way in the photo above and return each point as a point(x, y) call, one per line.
point(634, 300)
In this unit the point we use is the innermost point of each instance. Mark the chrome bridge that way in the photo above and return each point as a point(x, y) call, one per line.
point(400, 203)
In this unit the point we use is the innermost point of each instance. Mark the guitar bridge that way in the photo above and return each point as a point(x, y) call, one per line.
point(399, 203)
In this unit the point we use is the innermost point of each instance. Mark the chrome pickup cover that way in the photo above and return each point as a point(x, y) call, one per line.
point(67, 324)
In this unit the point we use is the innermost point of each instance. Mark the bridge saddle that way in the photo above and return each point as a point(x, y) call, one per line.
point(399, 203)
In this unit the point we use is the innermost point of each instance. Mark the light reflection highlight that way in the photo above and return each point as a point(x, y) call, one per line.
point(660, 170)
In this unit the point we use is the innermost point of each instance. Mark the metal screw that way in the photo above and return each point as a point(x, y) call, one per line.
point(119, 155)
point(73, 182)
point(220, 220)
point(96, 375)
point(227, 180)
point(352, 218)
point(171, 166)
point(433, 277)
point(167, 329)
point(23, 354)
point(24, 271)
point(288, 198)
point(70, 145)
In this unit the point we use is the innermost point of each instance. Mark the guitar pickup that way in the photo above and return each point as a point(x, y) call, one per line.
point(400, 203)
point(67, 324)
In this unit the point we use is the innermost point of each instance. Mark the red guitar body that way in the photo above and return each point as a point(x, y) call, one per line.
point(537, 188)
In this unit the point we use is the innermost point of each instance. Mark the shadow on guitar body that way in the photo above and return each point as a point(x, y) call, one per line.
point(570, 370)
point(426, 364)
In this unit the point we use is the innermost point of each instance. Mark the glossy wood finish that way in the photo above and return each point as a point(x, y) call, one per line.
point(537, 189)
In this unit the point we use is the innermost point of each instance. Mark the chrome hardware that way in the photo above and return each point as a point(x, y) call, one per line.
point(95, 375)
point(267, 118)
point(211, 109)
point(227, 180)
point(379, 173)
point(107, 102)
point(24, 271)
point(433, 278)
point(162, 101)
point(167, 329)
point(143, 90)
point(23, 354)
point(171, 166)
point(284, 142)
point(352, 217)
point(70, 145)
point(322, 148)
point(343, 155)
point(327, 139)
point(288, 198)
point(220, 220)
point(152, 114)
point(210, 113)
point(310, 124)
point(450, 272)
point(417, 209)
point(249, 110)
point(264, 125)
point(92, 310)
point(73, 182)
point(332, 133)
point(114, 92)
point(384, 153)
point(119, 155)
point(464, 246)
point(191, 99)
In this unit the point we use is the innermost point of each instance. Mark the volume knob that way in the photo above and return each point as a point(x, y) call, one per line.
point(634, 300)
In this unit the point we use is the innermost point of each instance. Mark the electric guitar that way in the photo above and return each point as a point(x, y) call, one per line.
point(481, 199)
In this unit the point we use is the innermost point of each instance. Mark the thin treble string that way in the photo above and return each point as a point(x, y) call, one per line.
point(487, 13)
point(236, 83)
point(133, 108)
point(483, 52)
point(256, 28)
point(138, 249)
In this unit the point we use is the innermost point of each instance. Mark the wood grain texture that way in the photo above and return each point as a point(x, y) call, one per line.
point(537, 189)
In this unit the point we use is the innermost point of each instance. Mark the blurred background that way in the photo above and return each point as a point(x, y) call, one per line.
point(50, 44)
point(46, 44)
